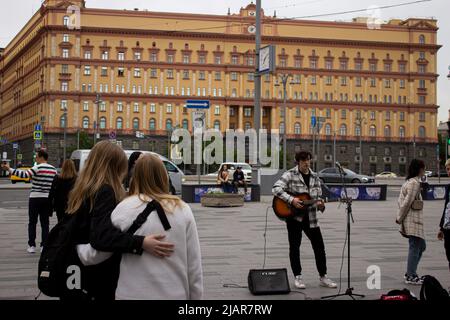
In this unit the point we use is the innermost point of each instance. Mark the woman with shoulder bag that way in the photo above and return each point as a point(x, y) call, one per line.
point(410, 219)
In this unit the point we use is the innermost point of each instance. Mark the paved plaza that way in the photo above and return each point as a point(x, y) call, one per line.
point(232, 242)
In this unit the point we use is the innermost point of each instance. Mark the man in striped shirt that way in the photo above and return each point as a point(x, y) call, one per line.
point(42, 176)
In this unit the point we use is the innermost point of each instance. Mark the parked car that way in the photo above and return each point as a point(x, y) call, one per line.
point(386, 174)
point(176, 174)
point(246, 169)
point(332, 175)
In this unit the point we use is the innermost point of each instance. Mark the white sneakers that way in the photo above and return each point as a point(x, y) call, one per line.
point(324, 282)
point(31, 250)
point(299, 282)
point(327, 282)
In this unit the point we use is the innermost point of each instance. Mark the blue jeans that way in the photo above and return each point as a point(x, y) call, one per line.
point(416, 247)
point(227, 187)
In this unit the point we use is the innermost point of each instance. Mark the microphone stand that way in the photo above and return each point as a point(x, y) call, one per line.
point(348, 201)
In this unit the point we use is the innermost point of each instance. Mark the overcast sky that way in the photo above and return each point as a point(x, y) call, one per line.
point(14, 15)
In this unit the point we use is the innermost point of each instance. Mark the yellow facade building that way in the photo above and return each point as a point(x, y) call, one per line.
point(374, 84)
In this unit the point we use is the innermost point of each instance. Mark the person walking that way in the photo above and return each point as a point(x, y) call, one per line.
point(61, 186)
point(131, 164)
point(39, 206)
point(444, 224)
point(410, 219)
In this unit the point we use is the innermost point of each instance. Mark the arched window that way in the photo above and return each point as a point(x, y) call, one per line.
point(343, 130)
point(119, 123)
point(152, 124)
point(387, 131)
point(248, 126)
point(66, 21)
point(217, 125)
point(135, 124)
point(168, 124)
point(297, 128)
point(328, 129)
point(186, 124)
point(62, 121)
point(372, 131)
point(357, 131)
point(85, 122)
point(102, 123)
point(401, 132)
point(422, 39)
point(281, 127)
point(422, 132)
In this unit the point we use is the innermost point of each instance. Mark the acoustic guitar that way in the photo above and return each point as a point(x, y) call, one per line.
point(284, 210)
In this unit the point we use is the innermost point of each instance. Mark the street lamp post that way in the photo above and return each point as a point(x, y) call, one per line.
point(360, 121)
point(97, 103)
point(284, 78)
point(65, 133)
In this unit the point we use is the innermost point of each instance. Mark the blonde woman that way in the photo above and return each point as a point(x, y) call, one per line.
point(62, 185)
point(94, 196)
point(410, 219)
point(147, 277)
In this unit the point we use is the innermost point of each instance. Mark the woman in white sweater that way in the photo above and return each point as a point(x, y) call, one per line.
point(147, 277)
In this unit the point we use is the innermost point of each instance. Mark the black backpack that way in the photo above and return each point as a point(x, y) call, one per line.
point(59, 257)
point(432, 290)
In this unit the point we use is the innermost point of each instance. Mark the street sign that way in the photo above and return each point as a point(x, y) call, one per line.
point(19, 156)
point(197, 104)
point(199, 118)
point(15, 145)
point(38, 127)
point(37, 135)
point(313, 121)
point(112, 135)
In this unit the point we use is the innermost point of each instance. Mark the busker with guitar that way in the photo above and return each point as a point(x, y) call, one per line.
point(301, 180)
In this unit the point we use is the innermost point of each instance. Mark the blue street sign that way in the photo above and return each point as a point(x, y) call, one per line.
point(313, 121)
point(197, 104)
point(37, 127)
point(15, 145)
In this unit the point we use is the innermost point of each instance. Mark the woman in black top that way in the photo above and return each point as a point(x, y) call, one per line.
point(95, 195)
point(61, 186)
point(131, 164)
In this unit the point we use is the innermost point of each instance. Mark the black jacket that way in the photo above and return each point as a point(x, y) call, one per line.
point(238, 176)
point(95, 227)
point(59, 193)
point(441, 224)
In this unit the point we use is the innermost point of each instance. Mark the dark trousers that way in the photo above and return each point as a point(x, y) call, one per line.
point(42, 208)
point(240, 183)
point(295, 229)
point(447, 245)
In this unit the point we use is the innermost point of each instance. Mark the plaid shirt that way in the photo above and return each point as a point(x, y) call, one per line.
point(292, 181)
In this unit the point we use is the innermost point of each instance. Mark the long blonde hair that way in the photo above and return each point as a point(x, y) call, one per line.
point(68, 170)
point(150, 179)
point(105, 165)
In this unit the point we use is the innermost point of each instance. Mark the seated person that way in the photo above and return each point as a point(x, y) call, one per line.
point(239, 180)
point(223, 179)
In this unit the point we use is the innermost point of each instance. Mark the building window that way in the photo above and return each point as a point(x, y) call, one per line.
point(328, 80)
point(250, 76)
point(281, 127)
point(153, 73)
point(153, 57)
point(327, 129)
point(421, 132)
point(358, 81)
point(422, 39)
point(66, 21)
point(402, 68)
point(372, 67)
point(358, 66)
point(373, 82)
point(119, 123)
point(169, 108)
point(402, 84)
point(102, 123)
point(217, 110)
point(62, 121)
point(388, 115)
point(217, 60)
point(422, 68)
point(387, 67)
point(401, 132)
point(387, 131)
point(65, 53)
point(105, 55)
point(283, 63)
point(170, 58)
point(234, 93)
point(201, 75)
point(247, 126)
point(185, 74)
point(372, 115)
point(86, 106)
point(421, 84)
point(422, 116)
point(343, 81)
point(234, 60)
point(387, 83)
point(137, 56)
point(186, 58)
point(343, 114)
point(201, 59)
point(343, 65)
point(297, 128)
point(422, 100)
point(152, 124)
point(136, 107)
point(372, 131)
point(119, 107)
point(135, 124)
point(218, 75)
point(87, 70)
point(313, 80)
point(65, 38)
point(343, 130)
point(120, 72)
point(402, 116)
point(185, 124)
point(247, 112)
point(88, 55)
point(85, 122)
point(217, 125)
point(313, 64)
point(357, 131)
point(137, 72)
point(64, 86)
point(328, 65)
point(168, 124)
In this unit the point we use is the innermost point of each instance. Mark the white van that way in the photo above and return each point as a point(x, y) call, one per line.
point(176, 175)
